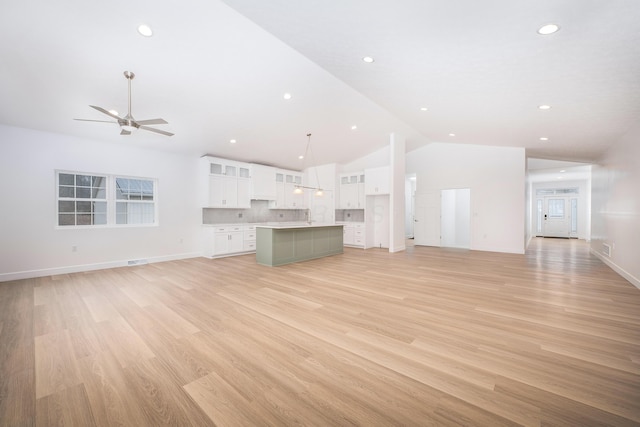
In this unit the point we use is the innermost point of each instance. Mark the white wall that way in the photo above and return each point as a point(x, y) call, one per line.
point(397, 196)
point(379, 158)
point(615, 212)
point(30, 244)
point(496, 178)
point(529, 218)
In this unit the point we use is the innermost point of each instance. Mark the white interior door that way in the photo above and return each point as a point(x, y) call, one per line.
point(556, 216)
point(427, 219)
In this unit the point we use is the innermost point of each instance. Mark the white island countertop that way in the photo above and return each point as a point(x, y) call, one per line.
point(287, 225)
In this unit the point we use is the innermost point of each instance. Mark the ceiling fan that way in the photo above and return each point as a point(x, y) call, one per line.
point(128, 123)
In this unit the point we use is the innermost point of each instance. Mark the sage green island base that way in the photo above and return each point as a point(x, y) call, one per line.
point(278, 245)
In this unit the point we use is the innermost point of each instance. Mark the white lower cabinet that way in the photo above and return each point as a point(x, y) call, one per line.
point(353, 235)
point(249, 236)
point(358, 235)
point(348, 234)
point(228, 240)
point(234, 239)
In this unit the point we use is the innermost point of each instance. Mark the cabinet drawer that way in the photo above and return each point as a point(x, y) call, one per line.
point(249, 245)
point(228, 228)
point(249, 235)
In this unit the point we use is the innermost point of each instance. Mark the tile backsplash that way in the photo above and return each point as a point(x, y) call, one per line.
point(350, 215)
point(259, 212)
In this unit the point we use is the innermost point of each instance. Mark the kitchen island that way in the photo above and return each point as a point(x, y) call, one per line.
point(285, 244)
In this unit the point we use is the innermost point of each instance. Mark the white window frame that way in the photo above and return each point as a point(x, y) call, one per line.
point(111, 201)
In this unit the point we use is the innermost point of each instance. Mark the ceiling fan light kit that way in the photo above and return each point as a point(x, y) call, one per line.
point(127, 123)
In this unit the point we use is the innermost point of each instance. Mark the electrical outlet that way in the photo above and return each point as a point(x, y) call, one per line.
point(240, 215)
point(74, 248)
point(281, 215)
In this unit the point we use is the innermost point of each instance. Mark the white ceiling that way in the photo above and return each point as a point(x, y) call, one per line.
point(478, 66)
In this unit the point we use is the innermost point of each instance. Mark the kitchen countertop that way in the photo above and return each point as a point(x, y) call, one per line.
point(287, 225)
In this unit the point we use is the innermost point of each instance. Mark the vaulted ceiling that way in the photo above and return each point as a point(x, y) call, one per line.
point(217, 71)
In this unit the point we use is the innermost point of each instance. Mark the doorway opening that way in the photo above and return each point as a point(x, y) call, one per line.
point(557, 212)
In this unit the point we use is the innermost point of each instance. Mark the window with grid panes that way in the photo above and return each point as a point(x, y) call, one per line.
point(104, 200)
point(82, 199)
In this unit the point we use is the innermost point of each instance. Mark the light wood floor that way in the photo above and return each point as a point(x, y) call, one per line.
point(423, 337)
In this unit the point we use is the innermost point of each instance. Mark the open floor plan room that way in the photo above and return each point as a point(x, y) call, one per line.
point(428, 336)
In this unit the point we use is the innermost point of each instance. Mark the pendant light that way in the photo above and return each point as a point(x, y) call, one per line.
point(299, 189)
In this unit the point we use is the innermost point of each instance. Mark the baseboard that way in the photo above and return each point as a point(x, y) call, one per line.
point(615, 267)
point(397, 249)
point(30, 274)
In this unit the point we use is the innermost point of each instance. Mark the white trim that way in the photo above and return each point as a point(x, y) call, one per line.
point(30, 274)
point(615, 267)
point(110, 199)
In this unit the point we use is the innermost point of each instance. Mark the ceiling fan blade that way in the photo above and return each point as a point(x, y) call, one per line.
point(156, 130)
point(152, 122)
point(108, 113)
point(125, 132)
point(89, 120)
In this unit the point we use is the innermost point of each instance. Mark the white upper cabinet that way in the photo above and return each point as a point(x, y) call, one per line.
point(263, 182)
point(228, 183)
point(286, 197)
point(377, 181)
point(351, 191)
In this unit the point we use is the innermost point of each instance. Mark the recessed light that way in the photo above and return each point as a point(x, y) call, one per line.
point(354, 127)
point(544, 138)
point(287, 96)
point(562, 171)
point(452, 134)
point(423, 108)
point(548, 29)
point(145, 30)
point(559, 177)
point(544, 107)
point(232, 141)
point(368, 59)
point(301, 157)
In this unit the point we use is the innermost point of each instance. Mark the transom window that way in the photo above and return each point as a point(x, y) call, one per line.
point(103, 200)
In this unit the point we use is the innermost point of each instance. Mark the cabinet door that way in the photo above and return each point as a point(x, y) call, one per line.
point(236, 242)
point(230, 192)
point(216, 190)
point(244, 172)
point(220, 243)
point(376, 181)
point(231, 170)
point(244, 190)
point(348, 237)
point(349, 196)
point(280, 190)
point(297, 195)
point(263, 182)
point(216, 168)
point(361, 197)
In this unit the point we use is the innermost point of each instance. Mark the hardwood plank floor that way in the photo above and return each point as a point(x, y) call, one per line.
point(424, 337)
